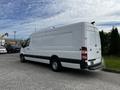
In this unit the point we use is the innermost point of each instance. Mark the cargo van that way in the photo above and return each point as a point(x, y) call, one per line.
point(75, 45)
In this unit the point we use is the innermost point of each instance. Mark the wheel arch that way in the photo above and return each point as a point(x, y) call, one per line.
point(54, 57)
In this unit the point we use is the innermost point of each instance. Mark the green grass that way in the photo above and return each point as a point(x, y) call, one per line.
point(112, 62)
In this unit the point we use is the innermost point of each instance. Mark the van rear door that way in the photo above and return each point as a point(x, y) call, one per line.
point(93, 44)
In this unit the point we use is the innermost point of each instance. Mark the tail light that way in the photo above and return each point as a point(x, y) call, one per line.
point(84, 53)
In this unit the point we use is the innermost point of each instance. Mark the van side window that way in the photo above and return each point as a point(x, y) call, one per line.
point(26, 43)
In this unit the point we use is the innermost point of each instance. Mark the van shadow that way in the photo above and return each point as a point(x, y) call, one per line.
point(68, 71)
point(83, 73)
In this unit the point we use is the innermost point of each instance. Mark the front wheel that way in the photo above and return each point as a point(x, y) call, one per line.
point(55, 65)
point(22, 58)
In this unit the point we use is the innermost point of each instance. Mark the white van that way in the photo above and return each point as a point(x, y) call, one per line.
point(75, 46)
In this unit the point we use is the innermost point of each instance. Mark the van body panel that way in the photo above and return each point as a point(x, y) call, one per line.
point(65, 42)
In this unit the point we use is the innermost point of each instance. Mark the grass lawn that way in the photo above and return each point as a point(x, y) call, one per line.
point(112, 62)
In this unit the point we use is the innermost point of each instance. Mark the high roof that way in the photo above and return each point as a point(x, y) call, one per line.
point(58, 26)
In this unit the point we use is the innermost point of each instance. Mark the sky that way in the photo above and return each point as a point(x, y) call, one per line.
point(28, 16)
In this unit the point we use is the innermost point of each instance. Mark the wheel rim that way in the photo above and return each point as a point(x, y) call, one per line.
point(55, 65)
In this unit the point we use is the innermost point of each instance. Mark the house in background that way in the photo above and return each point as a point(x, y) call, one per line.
point(2, 40)
point(10, 41)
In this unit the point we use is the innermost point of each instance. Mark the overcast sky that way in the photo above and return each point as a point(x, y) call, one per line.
point(24, 16)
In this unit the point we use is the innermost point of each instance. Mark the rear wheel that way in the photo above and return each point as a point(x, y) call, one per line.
point(22, 58)
point(55, 64)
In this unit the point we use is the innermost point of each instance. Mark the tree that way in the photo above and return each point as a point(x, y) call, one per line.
point(105, 42)
point(114, 42)
point(6, 34)
point(102, 36)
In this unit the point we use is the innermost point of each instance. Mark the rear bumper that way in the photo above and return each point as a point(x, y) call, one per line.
point(95, 66)
point(84, 65)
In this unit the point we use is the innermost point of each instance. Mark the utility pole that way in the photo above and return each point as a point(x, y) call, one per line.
point(14, 35)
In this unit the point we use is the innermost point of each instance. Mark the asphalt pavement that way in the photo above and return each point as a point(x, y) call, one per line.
point(15, 75)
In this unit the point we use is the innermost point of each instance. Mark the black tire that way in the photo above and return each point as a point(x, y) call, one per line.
point(55, 64)
point(22, 58)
